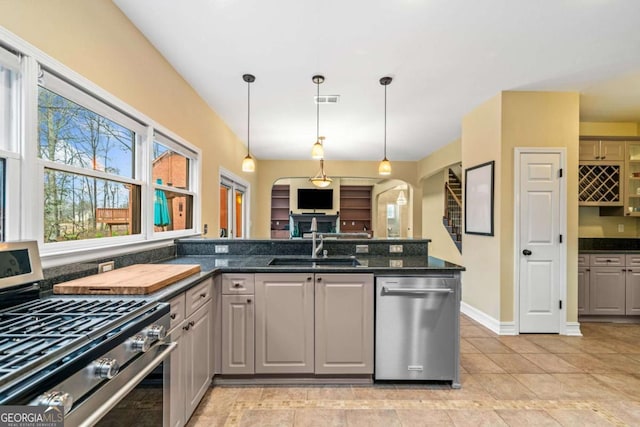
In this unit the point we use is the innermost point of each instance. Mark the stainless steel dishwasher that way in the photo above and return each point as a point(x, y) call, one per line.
point(418, 328)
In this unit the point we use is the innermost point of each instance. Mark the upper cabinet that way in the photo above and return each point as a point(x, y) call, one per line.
point(602, 150)
point(600, 173)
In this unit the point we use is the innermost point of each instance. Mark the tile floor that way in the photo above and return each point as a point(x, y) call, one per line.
point(526, 380)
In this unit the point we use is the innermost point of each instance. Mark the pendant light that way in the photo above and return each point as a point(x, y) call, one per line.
point(402, 199)
point(317, 151)
point(385, 165)
point(321, 179)
point(248, 164)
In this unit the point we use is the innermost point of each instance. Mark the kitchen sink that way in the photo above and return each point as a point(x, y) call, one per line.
point(315, 262)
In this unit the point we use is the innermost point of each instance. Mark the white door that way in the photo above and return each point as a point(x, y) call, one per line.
point(540, 242)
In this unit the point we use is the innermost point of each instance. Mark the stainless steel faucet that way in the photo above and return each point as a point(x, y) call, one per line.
point(315, 249)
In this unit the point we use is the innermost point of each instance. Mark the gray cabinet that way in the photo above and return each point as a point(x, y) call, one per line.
point(237, 324)
point(607, 290)
point(191, 363)
point(284, 321)
point(344, 323)
point(197, 357)
point(601, 150)
point(583, 284)
point(633, 285)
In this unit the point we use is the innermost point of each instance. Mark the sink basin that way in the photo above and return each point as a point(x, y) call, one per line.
point(315, 262)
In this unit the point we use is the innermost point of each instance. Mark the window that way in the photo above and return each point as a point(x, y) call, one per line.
point(173, 198)
point(90, 186)
point(9, 142)
point(233, 207)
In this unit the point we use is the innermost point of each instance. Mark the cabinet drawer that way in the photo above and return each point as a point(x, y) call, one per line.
point(176, 311)
point(607, 260)
point(633, 261)
point(583, 260)
point(238, 284)
point(198, 296)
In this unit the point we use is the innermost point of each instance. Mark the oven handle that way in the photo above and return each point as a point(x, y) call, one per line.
point(414, 291)
point(103, 409)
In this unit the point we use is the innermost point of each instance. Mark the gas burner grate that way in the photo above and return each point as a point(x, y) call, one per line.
point(79, 306)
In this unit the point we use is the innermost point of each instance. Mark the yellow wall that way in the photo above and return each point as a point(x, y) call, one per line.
point(539, 119)
point(608, 129)
point(446, 156)
point(271, 170)
point(97, 41)
point(481, 142)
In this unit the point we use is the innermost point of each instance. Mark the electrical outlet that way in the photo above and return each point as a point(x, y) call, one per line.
point(103, 267)
point(362, 249)
point(620, 228)
point(395, 249)
point(222, 249)
point(395, 263)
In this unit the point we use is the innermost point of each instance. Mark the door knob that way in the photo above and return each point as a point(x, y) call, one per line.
point(526, 252)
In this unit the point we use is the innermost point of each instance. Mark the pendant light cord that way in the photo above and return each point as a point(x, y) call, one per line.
point(385, 122)
point(249, 117)
point(318, 111)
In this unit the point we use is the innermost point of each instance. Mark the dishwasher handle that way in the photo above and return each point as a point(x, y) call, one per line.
point(414, 291)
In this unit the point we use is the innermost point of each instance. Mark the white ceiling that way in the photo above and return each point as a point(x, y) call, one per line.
point(446, 58)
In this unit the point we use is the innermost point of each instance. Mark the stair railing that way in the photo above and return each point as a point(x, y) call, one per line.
point(453, 209)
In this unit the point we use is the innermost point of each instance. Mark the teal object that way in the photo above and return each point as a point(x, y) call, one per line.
point(161, 216)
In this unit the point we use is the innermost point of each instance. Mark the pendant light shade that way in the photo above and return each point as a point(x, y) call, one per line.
point(317, 151)
point(321, 179)
point(248, 164)
point(385, 165)
point(402, 199)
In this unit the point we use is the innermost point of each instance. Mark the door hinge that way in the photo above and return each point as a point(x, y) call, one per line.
point(561, 238)
point(560, 173)
point(560, 304)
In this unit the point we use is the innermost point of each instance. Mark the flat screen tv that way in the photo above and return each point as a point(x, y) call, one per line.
point(310, 198)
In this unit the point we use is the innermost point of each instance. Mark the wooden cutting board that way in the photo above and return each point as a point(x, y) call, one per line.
point(137, 279)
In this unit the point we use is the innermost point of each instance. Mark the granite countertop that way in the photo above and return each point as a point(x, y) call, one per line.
point(217, 264)
point(608, 251)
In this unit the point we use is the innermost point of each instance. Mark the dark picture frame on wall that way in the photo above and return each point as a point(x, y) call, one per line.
point(478, 199)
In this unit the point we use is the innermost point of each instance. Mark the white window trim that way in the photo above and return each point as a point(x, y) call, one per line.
point(231, 179)
point(26, 223)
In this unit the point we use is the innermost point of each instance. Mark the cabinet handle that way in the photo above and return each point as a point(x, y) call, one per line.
point(588, 269)
point(309, 279)
point(173, 315)
point(236, 284)
point(624, 269)
point(186, 328)
point(192, 323)
point(629, 270)
point(249, 301)
point(203, 295)
point(319, 279)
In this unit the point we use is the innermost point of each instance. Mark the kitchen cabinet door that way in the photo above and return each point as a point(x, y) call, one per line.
point(583, 290)
point(633, 292)
point(601, 150)
point(607, 290)
point(344, 323)
point(198, 357)
point(176, 380)
point(237, 334)
point(284, 323)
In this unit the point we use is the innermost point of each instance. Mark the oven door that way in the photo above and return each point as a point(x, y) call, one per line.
point(138, 394)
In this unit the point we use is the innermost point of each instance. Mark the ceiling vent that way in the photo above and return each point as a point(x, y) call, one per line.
point(327, 99)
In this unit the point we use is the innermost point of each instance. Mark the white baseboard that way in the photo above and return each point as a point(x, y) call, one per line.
point(573, 329)
point(507, 328)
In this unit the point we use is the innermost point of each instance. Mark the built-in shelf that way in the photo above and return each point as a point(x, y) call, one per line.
point(355, 208)
point(280, 212)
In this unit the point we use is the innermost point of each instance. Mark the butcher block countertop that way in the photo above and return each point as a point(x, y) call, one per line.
point(137, 279)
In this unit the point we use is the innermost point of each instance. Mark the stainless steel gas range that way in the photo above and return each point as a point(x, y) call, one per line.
point(84, 354)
